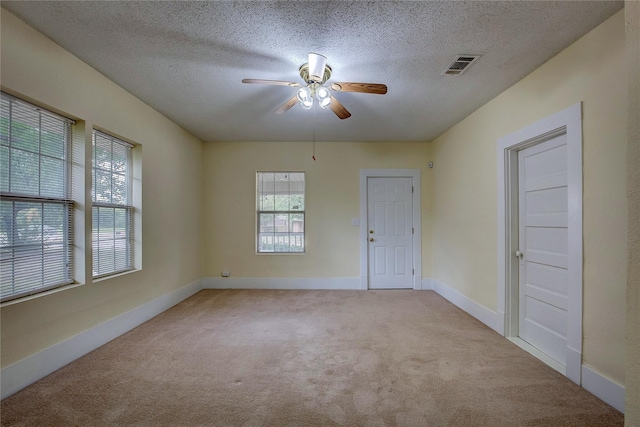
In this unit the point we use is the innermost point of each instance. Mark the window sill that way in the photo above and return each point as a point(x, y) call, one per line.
point(40, 294)
point(114, 275)
point(281, 253)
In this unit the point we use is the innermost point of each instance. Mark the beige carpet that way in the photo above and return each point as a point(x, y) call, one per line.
point(308, 358)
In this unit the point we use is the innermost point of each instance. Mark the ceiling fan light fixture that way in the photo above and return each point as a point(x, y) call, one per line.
point(304, 97)
point(317, 63)
point(304, 94)
point(324, 97)
point(324, 103)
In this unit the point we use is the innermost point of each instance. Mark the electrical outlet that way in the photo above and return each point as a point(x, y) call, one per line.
point(225, 274)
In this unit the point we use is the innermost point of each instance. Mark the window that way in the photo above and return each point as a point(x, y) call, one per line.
point(112, 213)
point(280, 212)
point(36, 213)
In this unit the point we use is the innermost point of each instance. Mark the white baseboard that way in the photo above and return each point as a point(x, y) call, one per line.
point(603, 388)
point(18, 375)
point(351, 283)
point(483, 314)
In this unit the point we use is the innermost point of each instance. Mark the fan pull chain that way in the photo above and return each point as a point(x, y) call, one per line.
point(313, 147)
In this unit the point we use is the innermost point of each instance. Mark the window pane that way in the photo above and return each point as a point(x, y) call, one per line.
point(6, 222)
point(281, 223)
point(105, 257)
point(297, 202)
point(119, 195)
point(4, 122)
point(95, 258)
point(266, 223)
point(28, 217)
point(281, 192)
point(7, 270)
point(281, 202)
point(121, 223)
point(106, 218)
point(265, 191)
point(24, 171)
point(102, 152)
point(297, 191)
point(296, 223)
point(27, 267)
point(4, 168)
point(265, 242)
point(53, 131)
point(102, 186)
point(121, 254)
point(296, 229)
point(54, 263)
point(119, 160)
point(281, 243)
point(52, 178)
point(296, 242)
point(53, 220)
point(267, 202)
point(25, 128)
point(95, 224)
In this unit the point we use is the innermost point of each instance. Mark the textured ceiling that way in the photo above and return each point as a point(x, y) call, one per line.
point(187, 59)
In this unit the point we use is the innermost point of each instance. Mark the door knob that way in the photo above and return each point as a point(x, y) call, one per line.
point(371, 239)
point(520, 254)
point(370, 231)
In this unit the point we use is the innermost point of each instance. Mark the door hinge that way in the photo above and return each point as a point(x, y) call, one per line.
point(413, 231)
point(412, 188)
point(413, 271)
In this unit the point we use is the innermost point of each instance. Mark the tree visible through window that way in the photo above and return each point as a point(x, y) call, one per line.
point(280, 212)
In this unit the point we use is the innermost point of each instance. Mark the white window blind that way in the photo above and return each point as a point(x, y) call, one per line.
point(36, 212)
point(281, 214)
point(112, 222)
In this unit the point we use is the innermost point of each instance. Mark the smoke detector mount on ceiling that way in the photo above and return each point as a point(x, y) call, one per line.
point(459, 65)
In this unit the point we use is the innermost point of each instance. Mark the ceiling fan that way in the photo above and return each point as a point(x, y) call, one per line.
point(315, 74)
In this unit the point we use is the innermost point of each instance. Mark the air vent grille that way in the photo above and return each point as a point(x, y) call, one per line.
point(460, 64)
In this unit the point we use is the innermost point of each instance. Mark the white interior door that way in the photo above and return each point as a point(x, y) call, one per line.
point(543, 236)
point(390, 228)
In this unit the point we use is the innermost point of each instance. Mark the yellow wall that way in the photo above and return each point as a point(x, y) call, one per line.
point(632, 408)
point(464, 237)
point(332, 200)
point(35, 68)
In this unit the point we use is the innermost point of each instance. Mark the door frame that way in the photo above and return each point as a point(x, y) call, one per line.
point(414, 174)
point(569, 122)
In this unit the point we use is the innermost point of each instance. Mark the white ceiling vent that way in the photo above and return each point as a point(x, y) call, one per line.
point(460, 64)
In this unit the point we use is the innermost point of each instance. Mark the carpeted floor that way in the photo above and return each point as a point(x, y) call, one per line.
point(308, 358)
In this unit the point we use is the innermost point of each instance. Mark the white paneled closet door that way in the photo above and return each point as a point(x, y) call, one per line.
point(543, 253)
